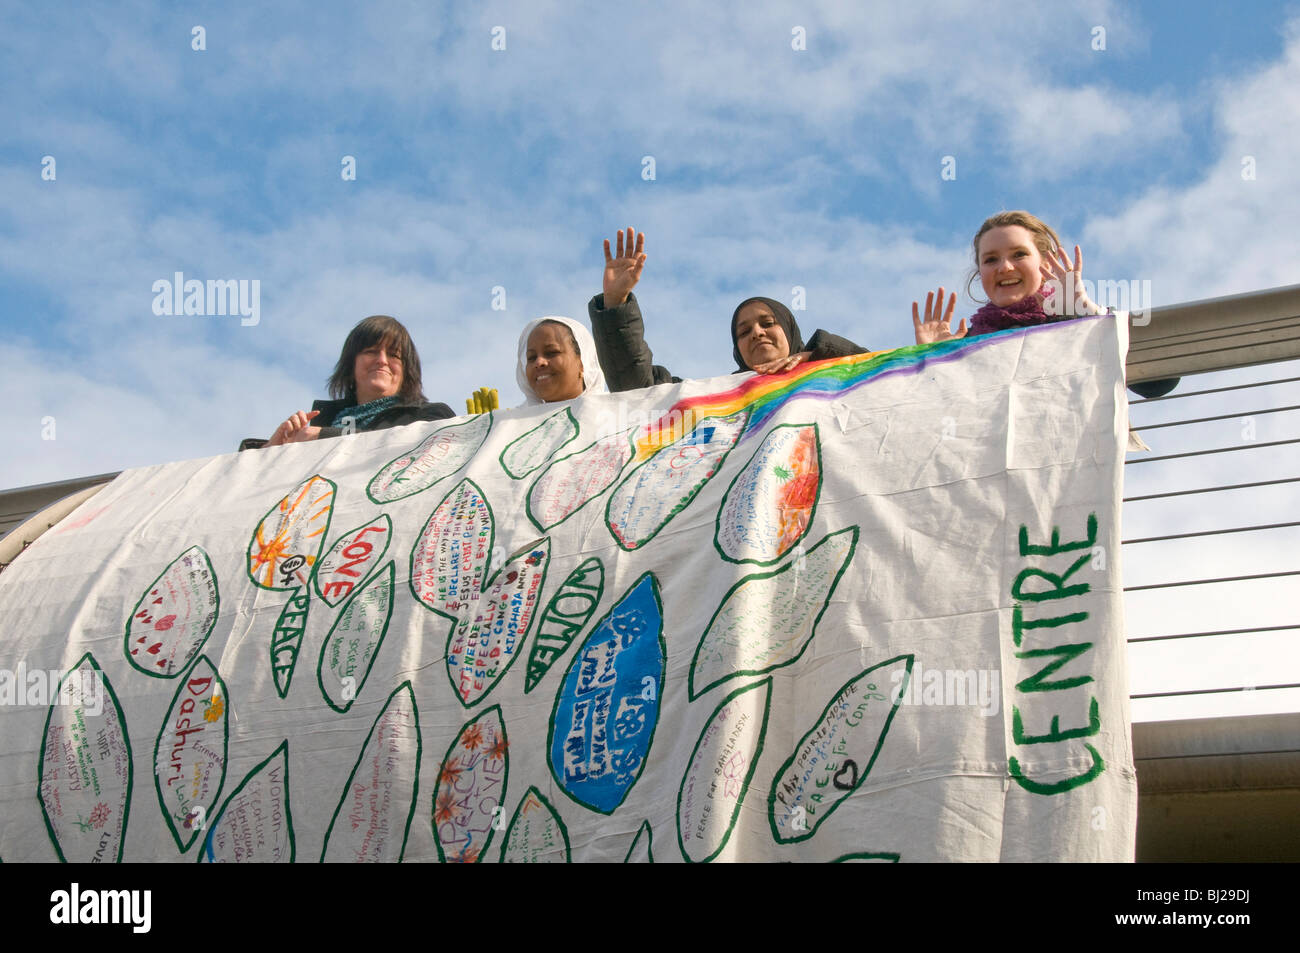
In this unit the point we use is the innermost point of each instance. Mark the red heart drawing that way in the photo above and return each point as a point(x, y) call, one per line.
point(165, 623)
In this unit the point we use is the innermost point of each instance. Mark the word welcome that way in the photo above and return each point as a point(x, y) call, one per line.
point(219, 297)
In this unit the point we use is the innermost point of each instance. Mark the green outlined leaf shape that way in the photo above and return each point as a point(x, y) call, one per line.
point(865, 857)
point(255, 825)
point(471, 785)
point(642, 849)
point(568, 612)
point(492, 628)
point(288, 540)
point(433, 459)
point(449, 560)
point(767, 619)
point(174, 616)
point(380, 795)
point(721, 767)
point(525, 454)
point(354, 641)
point(85, 768)
point(351, 558)
point(607, 708)
point(570, 483)
point(665, 484)
point(189, 757)
point(837, 753)
point(771, 503)
point(536, 834)
point(286, 639)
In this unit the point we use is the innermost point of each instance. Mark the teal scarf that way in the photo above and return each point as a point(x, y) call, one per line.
point(363, 415)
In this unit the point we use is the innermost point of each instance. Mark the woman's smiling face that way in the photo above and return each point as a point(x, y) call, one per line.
point(378, 372)
point(1011, 267)
point(554, 370)
point(759, 337)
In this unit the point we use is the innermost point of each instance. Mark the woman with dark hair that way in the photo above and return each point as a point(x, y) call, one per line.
point(765, 337)
point(375, 384)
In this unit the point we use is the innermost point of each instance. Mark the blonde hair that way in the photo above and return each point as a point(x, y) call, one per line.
point(1045, 240)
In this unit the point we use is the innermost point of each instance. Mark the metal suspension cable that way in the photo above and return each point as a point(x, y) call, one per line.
point(1213, 390)
point(1209, 489)
point(1203, 582)
point(1212, 691)
point(1197, 635)
point(1202, 420)
point(1208, 532)
point(1201, 453)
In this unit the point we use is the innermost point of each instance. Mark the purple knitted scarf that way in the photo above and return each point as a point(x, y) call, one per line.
point(1022, 314)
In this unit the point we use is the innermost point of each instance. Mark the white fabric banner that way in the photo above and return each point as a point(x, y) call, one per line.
point(867, 610)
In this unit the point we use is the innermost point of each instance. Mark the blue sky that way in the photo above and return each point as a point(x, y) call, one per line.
point(478, 168)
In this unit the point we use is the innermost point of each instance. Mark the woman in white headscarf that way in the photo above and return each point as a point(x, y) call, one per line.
point(557, 361)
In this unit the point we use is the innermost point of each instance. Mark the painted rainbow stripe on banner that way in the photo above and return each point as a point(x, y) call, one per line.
point(822, 380)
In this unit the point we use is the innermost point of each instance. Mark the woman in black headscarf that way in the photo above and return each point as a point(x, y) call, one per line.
point(765, 337)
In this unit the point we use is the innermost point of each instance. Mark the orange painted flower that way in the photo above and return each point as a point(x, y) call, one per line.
point(446, 809)
point(450, 773)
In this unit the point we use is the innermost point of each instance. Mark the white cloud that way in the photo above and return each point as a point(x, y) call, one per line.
point(1224, 234)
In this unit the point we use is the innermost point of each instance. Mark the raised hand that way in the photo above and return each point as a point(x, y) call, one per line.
point(1055, 269)
point(623, 269)
point(296, 429)
point(936, 326)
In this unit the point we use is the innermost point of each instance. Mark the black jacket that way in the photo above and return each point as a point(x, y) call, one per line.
point(626, 359)
point(394, 416)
